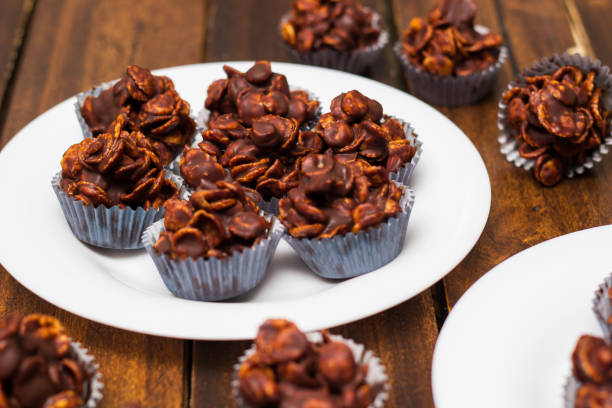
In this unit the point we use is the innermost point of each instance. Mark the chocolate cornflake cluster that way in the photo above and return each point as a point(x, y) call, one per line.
point(592, 366)
point(149, 104)
point(265, 155)
point(340, 25)
point(356, 124)
point(117, 168)
point(557, 119)
point(37, 366)
point(213, 223)
point(337, 194)
point(446, 43)
point(251, 95)
point(287, 370)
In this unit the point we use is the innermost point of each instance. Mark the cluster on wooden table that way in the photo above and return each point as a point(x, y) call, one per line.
point(50, 50)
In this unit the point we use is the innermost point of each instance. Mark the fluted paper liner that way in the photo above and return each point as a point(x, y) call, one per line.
point(569, 391)
point(355, 61)
point(349, 255)
point(404, 173)
point(214, 279)
point(377, 376)
point(602, 307)
point(93, 387)
point(509, 145)
point(451, 90)
point(80, 100)
point(270, 206)
point(114, 227)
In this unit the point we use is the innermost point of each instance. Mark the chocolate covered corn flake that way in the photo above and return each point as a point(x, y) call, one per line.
point(337, 194)
point(592, 360)
point(37, 367)
point(356, 124)
point(118, 168)
point(340, 25)
point(288, 370)
point(447, 44)
point(256, 93)
point(213, 223)
point(148, 103)
point(557, 120)
point(592, 366)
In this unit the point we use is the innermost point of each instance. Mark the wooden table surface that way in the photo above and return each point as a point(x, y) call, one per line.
point(52, 49)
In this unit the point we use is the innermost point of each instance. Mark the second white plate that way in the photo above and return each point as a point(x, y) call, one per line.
point(508, 340)
point(123, 289)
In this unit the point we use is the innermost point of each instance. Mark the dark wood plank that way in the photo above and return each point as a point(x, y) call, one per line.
point(80, 44)
point(592, 17)
point(404, 336)
point(523, 213)
point(71, 46)
point(477, 121)
point(13, 17)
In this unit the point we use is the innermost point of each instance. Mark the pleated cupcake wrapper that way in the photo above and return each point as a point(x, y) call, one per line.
point(349, 255)
point(270, 206)
point(93, 387)
point(509, 146)
point(570, 389)
point(113, 227)
point(603, 308)
point(80, 100)
point(451, 90)
point(354, 61)
point(404, 173)
point(214, 279)
point(377, 376)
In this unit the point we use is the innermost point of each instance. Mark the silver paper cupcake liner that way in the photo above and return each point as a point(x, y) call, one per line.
point(214, 279)
point(354, 61)
point(509, 145)
point(80, 100)
point(602, 307)
point(93, 387)
point(404, 173)
point(452, 90)
point(113, 227)
point(569, 391)
point(377, 376)
point(350, 255)
point(270, 206)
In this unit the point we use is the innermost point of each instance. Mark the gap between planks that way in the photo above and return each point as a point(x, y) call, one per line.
point(13, 63)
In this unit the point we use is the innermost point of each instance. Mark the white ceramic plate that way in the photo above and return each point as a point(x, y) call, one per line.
point(123, 289)
point(508, 340)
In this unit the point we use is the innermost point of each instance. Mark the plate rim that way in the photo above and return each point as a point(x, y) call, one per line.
point(499, 269)
point(466, 248)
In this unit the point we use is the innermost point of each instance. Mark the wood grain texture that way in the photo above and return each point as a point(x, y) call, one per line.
point(13, 18)
point(596, 16)
point(404, 336)
point(479, 123)
point(524, 213)
point(72, 45)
